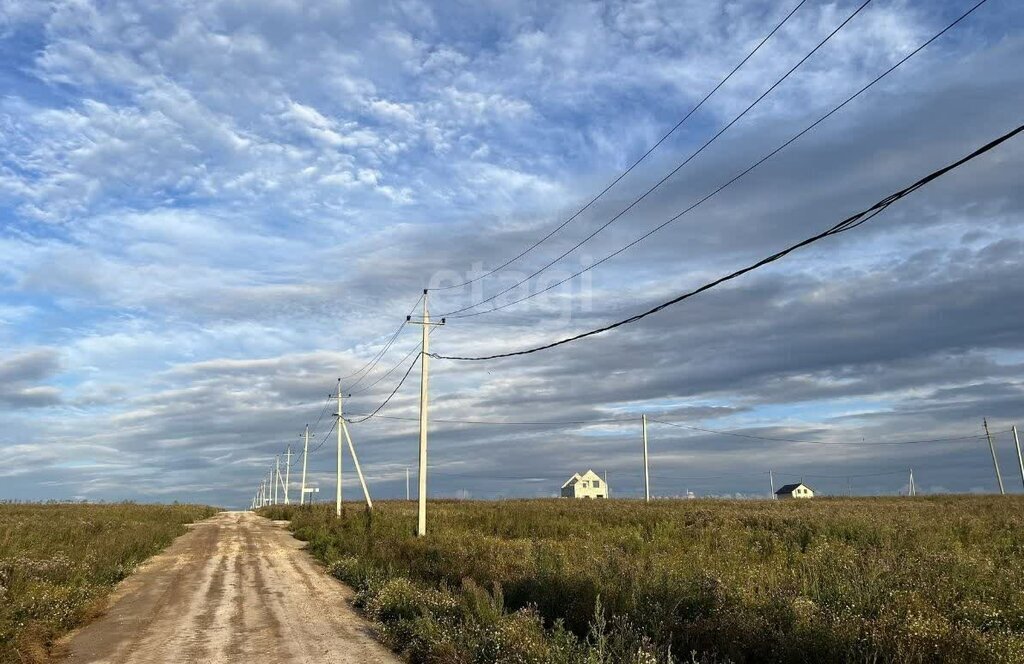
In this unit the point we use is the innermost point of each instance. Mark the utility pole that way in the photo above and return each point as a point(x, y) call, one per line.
point(305, 459)
point(995, 461)
point(337, 500)
point(1020, 459)
point(421, 523)
point(287, 472)
point(277, 474)
point(771, 481)
point(913, 489)
point(407, 482)
point(355, 462)
point(647, 476)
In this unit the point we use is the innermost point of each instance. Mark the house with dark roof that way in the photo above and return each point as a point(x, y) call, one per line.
point(798, 490)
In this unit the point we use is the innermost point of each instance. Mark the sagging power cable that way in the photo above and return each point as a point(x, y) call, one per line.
point(851, 222)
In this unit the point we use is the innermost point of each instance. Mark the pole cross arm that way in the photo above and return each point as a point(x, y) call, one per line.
point(420, 321)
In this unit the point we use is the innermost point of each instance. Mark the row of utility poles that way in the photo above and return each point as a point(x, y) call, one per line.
point(267, 493)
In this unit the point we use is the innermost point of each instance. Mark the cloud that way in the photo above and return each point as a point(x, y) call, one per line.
point(18, 375)
point(212, 210)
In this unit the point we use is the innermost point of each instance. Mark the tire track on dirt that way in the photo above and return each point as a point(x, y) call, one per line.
point(235, 588)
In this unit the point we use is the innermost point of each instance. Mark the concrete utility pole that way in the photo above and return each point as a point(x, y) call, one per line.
point(995, 461)
point(287, 472)
point(421, 524)
point(771, 481)
point(647, 476)
point(407, 482)
point(913, 489)
point(1020, 459)
point(337, 500)
point(277, 474)
point(355, 462)
point(305, 459)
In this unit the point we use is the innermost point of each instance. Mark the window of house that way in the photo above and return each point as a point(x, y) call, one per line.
point(584, 485)
point(597, 484)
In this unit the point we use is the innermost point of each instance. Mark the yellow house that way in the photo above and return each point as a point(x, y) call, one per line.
point(799, 490)
point(587, 485)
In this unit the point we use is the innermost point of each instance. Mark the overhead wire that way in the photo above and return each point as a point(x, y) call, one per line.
point(323, 410)
point(467, 314)
point(724, 432)
point(400, 362)
point(671, 173)
point(635, 163)
point(849, 223)
point(816, 442)
point(366, 368)
point(520, 423)
point(390, 396)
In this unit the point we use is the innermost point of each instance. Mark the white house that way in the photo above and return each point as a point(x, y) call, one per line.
point(798, 490)
point(587, 485)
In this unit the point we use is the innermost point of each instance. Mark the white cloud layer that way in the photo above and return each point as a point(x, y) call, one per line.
point(211, 210)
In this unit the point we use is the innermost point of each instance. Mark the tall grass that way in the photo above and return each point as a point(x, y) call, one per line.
point(56, 560)
point(827, 580)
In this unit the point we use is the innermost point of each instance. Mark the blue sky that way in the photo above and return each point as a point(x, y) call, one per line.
point(210, 210)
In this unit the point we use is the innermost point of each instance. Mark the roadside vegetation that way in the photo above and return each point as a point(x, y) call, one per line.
point(936, 579)
point(57, 560)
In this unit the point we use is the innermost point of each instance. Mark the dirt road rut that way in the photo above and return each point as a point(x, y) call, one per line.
point(234, 589)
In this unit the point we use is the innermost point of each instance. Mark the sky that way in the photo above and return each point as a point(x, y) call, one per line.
point(212, 210)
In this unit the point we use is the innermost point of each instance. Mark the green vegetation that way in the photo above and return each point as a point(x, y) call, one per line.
point(57, 559)
point(827, 580)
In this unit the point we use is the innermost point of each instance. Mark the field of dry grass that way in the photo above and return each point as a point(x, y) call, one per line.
point(57, 560)
point(936, 579)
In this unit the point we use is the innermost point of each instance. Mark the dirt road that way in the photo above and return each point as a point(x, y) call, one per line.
point(234, 589)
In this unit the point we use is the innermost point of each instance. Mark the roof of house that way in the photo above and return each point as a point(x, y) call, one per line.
point(790, 488)
point(577, 477)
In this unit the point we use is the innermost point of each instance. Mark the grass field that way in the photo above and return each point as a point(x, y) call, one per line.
point(57, 560)
point(938, 579)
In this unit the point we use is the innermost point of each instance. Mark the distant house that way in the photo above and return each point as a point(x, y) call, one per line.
point(798, 490)
point(587, 485)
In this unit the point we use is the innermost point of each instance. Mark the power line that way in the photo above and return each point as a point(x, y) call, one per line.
point(635, 163)
point(377, 357)
point(380, 354)
point(390, 396)
point(622, 420)
point(323, 410)
point(816, 442)
point(326, 436)
point(402, 361)
point(849, 223)
point(901, 471)
point(727, 184)
point(671, 173)
point(496, 422)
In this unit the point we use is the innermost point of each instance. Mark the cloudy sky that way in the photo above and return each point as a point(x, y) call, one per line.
point(210, 210)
